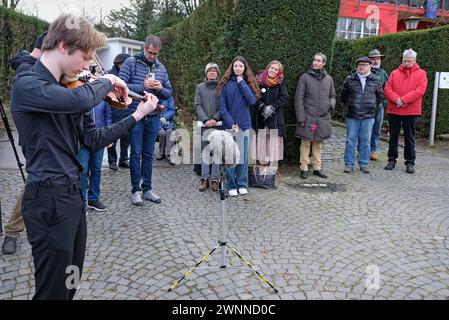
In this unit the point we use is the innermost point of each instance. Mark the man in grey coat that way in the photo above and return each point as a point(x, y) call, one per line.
point(314, 101)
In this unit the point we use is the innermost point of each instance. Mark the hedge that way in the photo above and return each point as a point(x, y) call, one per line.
point(288, 30)
point(432, 46)
point(17, 32)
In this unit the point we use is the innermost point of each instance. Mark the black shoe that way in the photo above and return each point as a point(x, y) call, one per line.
point(410, 168)
point(303, 174)
point(160, 157)
point(113, 166)
point(124, 164)
point(9, 245)
point(319, 173)
point(390, 165)
point(96, 205)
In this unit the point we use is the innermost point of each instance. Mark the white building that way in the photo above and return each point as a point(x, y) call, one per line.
point(116, 46)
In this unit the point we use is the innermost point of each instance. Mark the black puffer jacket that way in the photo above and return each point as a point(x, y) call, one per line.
point(362, 104)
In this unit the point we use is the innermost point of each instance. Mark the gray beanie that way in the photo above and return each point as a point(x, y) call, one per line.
point(211, 65)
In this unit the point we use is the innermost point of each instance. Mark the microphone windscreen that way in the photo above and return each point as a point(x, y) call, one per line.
point(225, 150)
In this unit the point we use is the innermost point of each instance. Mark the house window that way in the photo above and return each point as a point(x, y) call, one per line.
point(350, 28)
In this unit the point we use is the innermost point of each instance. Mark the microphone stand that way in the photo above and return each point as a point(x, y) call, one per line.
point(222, 242)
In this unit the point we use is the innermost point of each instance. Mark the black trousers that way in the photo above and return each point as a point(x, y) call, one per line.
point(408, 124)
point(124, 146)
point(55, 219)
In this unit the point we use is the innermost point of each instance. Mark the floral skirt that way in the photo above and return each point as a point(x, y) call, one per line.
point(266, 146)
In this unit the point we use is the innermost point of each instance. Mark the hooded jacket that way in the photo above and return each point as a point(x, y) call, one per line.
point(410, 85)
point(22, 61)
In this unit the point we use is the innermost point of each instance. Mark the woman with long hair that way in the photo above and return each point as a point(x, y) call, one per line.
point(267, 146)
point(237, 91)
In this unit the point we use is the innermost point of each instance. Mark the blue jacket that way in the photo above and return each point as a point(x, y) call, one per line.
point(168, 113)
point(135, 70)
point(234, 103)
point(102, 115)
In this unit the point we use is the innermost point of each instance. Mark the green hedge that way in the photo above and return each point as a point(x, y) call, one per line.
point(17, 32)
point(432, 46)
point(288, 30)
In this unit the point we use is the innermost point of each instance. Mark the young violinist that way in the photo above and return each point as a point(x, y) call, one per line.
point(52, 123)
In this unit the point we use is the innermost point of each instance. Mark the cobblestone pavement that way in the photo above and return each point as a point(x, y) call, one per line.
point(310, 242)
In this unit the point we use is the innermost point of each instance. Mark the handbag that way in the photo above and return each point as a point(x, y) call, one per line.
point(262, 177)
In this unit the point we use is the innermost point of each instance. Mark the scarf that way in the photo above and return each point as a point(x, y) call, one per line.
point(319, 73)
point(268, 82)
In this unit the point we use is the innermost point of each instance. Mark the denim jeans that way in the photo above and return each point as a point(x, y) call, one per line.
point(142, 139)
point(124, 146)
point(237, 176)
point(377, 126)
point(91, 162)
point(358, 129)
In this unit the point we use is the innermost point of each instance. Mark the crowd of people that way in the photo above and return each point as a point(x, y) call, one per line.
point(64, 146)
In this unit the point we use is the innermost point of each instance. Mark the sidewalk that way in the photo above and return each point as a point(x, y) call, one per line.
point(383, 235)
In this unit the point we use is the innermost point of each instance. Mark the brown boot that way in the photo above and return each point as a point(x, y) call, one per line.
point(373, 156)
point(204, 185)
point(214, 185)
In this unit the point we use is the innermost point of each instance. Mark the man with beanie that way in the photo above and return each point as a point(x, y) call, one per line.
point(23, 61)
point(376, 60)
point(362, 93)
point(206, 106)
point(117, 115)
point(404, 91)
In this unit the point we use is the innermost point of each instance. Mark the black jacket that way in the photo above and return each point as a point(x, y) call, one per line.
point(22, 61)
point(361, 104)
point(277, 97)
point(52, 123)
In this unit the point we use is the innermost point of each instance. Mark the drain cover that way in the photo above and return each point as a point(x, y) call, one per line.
point(315, 186)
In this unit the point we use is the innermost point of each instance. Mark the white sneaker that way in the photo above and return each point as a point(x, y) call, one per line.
point(243, 191)
point(233, 193)
point(136, 198)
point(151, 196)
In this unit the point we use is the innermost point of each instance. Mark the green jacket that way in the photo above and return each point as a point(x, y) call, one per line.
point(383, 77)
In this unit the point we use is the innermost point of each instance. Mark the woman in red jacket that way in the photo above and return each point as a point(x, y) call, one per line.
point(404, 91)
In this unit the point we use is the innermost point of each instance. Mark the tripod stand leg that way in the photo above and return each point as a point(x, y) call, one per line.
point(249, 265)
point(187, 273)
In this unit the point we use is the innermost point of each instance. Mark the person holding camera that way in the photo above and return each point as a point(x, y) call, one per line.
point(144, 72)
point(314, 101)
point(268, 116)
point(237, 91)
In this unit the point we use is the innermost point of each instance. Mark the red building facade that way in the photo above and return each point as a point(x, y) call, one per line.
point(359, 19)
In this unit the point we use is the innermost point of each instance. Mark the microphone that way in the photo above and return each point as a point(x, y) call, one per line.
point(225, 150)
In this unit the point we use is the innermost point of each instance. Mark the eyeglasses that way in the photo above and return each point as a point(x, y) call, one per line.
point(152, 53)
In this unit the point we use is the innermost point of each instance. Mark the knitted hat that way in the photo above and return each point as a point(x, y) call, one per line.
point(211, 65)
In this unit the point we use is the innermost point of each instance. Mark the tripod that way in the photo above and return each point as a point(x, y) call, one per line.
point(223, 244)
point(10, 139)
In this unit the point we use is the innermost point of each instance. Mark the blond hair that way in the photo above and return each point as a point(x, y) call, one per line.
point(76, 33)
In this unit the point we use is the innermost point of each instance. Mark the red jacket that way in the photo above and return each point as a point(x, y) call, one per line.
point(410, 85)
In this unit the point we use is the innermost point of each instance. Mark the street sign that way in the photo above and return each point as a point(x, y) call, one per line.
point(444, 80)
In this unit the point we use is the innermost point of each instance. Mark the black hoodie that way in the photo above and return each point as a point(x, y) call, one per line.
point(22, 61)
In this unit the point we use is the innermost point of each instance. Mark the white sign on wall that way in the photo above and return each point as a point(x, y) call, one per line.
point(444, 80)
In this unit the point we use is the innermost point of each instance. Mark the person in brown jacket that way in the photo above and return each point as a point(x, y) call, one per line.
point(314, 101)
